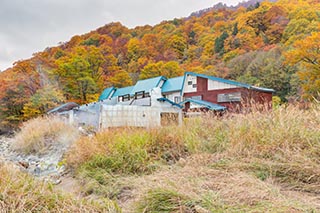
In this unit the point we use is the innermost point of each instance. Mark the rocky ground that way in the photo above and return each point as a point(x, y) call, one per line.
point(47, 166)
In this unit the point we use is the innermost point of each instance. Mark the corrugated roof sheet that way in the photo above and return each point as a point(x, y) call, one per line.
point(106, 93)
point(173, 84)
point(206, 104)
point(147, 84)
point(64, 107)
point(122, 91)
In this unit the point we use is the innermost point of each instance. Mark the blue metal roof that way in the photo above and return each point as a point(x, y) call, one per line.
point(206, 104)
point(147, 84)
point(106, 93)
point(222, 80)
point(173, 84)
point(123, 91)
point(169, 101)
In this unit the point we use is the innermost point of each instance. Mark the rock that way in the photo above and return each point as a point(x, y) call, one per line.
point(44, 165)
point(199, 209)
point(37, 170)
point(57, 182)
point(51, 167)
point(24, 164)
point(182, 162)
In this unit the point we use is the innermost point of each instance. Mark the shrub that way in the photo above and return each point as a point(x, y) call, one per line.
point(37, 135)
point(126, 151)
point(163, 200)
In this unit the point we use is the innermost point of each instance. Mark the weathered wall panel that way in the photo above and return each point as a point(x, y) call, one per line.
point(134, 116)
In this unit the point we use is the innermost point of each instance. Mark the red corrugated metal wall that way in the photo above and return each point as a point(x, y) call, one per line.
point(248, 96)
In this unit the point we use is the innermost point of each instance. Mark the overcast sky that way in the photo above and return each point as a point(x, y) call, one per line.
point(29, 26)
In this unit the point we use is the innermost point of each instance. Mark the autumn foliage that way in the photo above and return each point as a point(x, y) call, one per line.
point(267, 44)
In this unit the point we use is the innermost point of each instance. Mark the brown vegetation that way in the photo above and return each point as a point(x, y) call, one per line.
point(257, 162)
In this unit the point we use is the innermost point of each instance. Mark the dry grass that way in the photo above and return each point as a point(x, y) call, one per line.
point(126, 151)
point(237, 163)
point(207, 189)
point(20, 192)
point(39, 134)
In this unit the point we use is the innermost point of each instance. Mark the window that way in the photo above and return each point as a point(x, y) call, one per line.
point(189, 82)
point(199, 97)
point(194, 86)
point(230, 97)
point(140, 94)
point(177, 99)
point(124, 98)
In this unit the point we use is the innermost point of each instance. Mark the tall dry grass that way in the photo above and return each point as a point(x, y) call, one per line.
point(280, 146)
point(283, 144)
point(101, 160)
point(39, 134)
point(20, 192)
point(127, 150)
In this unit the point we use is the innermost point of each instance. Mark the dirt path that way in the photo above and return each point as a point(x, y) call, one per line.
point(193, 178)
point(70, 185)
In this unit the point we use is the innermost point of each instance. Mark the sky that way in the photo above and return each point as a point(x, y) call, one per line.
point(30, 26)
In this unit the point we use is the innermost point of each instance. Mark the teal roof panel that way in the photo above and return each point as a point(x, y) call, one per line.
point(147, 84)
point(123, 91)
point(206, 104)
point(106, 93)
point(173, 84)
point(169, 101)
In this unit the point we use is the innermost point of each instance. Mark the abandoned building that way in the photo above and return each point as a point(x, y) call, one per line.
point(191, 91)
point(155, 101)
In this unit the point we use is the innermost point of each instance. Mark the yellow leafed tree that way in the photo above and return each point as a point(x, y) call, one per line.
point(306, 53)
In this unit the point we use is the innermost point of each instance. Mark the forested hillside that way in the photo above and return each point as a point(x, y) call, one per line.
point(274, 45)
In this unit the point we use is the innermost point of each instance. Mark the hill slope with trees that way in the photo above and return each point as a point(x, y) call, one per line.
point(268, 44)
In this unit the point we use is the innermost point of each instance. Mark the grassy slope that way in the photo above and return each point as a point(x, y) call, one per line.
point(257, 162)
point(249, 163)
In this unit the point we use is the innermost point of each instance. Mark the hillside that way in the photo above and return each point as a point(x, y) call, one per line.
point(264, 45)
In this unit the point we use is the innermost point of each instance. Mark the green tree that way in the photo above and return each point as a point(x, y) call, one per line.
point(80, 73)
point(43, 100)
point(178, 44)
point(219, 43)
